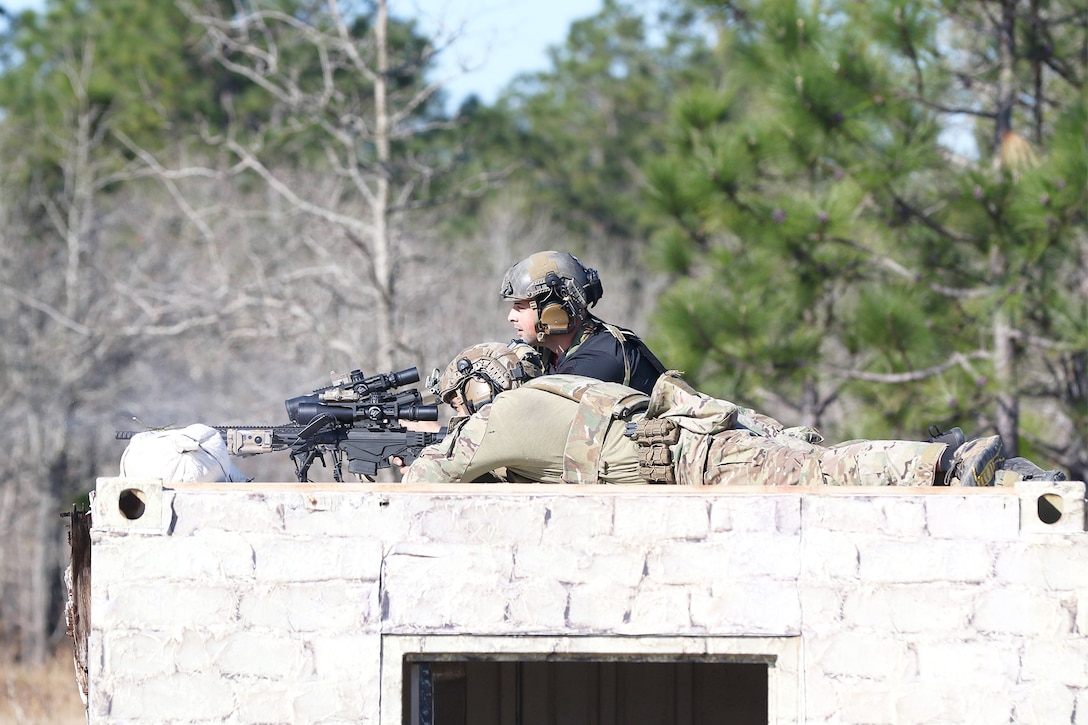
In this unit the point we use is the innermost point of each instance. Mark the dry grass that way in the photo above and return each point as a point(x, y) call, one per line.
point(44, 695)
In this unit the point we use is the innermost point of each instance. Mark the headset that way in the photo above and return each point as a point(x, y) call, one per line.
point(563, 305)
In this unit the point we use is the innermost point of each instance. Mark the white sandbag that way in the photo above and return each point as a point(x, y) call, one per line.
point(195, 453)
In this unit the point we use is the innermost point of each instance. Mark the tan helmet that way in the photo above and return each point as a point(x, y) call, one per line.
point(558, 287)
point(478, 373)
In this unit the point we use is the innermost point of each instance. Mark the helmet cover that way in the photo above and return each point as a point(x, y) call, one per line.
point(480, 372)
point(557, 276)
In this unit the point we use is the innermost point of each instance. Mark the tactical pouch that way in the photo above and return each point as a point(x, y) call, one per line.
point(654, 436)
point(649, 431)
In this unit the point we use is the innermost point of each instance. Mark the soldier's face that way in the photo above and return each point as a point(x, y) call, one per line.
point(523, 318)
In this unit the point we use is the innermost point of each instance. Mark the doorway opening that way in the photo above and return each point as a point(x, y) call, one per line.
point(476, 690)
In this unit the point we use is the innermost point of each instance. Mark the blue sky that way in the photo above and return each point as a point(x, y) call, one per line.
point(496, 39)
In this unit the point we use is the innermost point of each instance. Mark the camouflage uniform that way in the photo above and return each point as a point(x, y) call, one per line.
point(554, 429)
point(571, 429)
point(722, 443)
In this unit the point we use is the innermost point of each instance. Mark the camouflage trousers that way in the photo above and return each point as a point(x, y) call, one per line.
point(738, 457)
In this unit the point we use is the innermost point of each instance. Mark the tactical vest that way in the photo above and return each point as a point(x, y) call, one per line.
point(598, 405)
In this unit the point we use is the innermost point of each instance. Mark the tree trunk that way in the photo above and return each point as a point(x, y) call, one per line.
point(1006, 82)
point(384, 252)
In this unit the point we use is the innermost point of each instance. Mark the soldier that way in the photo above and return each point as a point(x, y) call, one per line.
point(551, 294)
point(574, 429)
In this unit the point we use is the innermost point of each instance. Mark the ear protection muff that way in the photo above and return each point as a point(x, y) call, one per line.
point(553, 319)
point(476, 390)
point(476, 393)
point(556, 315)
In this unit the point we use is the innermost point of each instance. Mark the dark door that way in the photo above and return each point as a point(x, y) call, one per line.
point(586, 692)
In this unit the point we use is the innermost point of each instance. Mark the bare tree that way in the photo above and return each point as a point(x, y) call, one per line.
point(71, 319)
point(103, 284)
point(353, 92)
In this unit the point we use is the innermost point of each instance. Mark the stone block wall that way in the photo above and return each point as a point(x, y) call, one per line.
point(285, 603)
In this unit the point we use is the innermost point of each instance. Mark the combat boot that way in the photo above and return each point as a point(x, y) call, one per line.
point(953, 438)
point(1028, 471)
point(975, 463)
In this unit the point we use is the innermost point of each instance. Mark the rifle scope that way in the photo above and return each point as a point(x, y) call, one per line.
point(381, 383)
point(305, 408)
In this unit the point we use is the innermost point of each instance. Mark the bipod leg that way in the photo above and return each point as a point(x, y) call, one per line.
point(337, 465)
point(303, 460)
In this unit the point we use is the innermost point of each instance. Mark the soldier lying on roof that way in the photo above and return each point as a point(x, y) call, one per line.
point(573, 429)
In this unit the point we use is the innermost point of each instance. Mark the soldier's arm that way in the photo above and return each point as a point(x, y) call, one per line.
point(451, 459)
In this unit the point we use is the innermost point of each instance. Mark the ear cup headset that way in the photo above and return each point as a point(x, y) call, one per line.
point(556, 313)
point(477, 388)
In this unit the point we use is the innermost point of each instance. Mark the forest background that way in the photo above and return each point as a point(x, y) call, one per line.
point(865, 217)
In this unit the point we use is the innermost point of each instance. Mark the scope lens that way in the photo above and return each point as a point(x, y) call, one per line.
point(306, 412)
point(404, 377)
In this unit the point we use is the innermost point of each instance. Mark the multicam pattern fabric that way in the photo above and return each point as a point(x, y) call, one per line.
point(446, 460)
point(699, 418)
point(525, 432)
point(674, 398)
point(737, 457)
point(723, 444)
point(599, 405)
point(551, 430)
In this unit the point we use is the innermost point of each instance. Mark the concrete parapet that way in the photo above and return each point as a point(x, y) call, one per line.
point(275, 602)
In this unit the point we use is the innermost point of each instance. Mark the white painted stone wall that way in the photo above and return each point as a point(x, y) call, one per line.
point(288, 603)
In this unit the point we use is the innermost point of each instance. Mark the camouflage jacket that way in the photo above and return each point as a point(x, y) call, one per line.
point(554, 429)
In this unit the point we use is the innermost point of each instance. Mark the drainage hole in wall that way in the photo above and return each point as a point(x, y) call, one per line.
point(1050, 508)
point(131, 503)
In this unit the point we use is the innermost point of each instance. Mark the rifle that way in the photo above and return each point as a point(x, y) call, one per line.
point(356, 418)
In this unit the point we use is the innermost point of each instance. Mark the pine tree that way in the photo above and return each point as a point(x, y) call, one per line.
point(838, 261)
point(574, 136)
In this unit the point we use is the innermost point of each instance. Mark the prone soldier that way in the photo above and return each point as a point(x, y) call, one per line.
point(574, 429)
